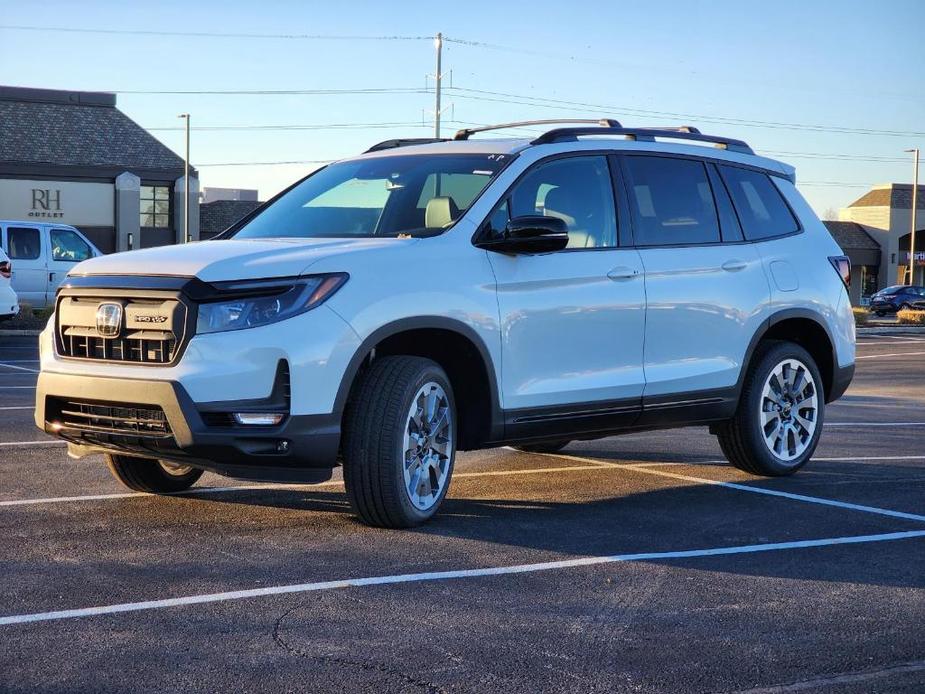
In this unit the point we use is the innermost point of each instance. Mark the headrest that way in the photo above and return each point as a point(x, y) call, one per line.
point(440, 212)
point(559, 203)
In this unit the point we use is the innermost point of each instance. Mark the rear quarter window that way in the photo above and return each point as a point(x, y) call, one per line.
point(761, 208)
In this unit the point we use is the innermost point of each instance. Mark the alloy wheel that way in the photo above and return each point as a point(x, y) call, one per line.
point(428, 446)
point(789, 409)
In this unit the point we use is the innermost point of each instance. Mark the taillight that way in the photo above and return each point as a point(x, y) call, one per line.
point(6, 269)
point(843, 267)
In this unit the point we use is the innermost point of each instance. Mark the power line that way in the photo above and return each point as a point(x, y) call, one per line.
point(268, 163)
point(308, 126)
point(543, 102)
point(276, 92)
point(216, 34)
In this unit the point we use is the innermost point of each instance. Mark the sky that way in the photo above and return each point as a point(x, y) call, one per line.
point(834, 88)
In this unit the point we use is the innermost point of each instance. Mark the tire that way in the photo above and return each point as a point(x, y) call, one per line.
point(402, 409)
point(545, 447)
point(765, 420)
point(151, 475)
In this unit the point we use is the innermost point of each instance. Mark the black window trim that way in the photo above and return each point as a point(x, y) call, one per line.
point(623, 231)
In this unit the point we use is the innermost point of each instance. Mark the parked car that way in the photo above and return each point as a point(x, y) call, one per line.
point(42, 255)
point(433, 296)
point(896, 298)
point(9, 304)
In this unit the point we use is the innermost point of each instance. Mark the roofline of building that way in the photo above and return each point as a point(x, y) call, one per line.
point(57, 96)
point(60, 172)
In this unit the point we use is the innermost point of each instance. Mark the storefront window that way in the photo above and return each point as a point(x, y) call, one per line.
point(155, 207)
point(868, 280)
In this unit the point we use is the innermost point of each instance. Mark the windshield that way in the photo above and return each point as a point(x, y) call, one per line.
point(418, 195)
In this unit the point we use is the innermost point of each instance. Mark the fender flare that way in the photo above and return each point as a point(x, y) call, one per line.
point(418, 323)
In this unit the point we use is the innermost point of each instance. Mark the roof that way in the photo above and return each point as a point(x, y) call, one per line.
point(219, 215)
point(895, 195)
point(76, 129)
point(484, 145)
point(851, 235)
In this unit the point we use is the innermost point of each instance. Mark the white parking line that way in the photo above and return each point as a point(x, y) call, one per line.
point(874, 424)
point(22, 407)
point(21, 361)
point(448, 575)
point(18, 368)
point(891, 354)
point(51, 442)
point(771, 492)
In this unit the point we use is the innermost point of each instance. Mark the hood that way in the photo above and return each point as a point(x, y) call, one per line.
point(215, 261)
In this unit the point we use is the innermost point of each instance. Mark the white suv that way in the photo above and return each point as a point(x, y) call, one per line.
point(431, 296)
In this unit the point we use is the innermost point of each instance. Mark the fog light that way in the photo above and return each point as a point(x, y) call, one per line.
point(262, 419)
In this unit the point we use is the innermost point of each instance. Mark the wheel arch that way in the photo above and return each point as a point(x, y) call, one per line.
point(807, 329)
point(459, 350)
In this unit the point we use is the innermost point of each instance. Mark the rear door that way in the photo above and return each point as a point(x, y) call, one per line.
point(26, 248)
point(66, 249)
point(706, 289)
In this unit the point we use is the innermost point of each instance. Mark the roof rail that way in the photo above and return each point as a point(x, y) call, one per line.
point(684, 132)
point(600, 122)
point(404, 142)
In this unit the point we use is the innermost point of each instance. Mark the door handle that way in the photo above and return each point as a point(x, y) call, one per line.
point(734, 265)
point(622, 272)
point(51, 277)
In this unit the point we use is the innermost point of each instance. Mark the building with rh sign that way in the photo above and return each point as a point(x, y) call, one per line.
point(884, 214)
point(74, 158)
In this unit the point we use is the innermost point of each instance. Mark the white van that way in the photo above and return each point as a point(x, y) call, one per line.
point(41, 255)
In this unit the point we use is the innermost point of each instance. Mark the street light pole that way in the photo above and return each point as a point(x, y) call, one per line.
point(186, 186)
point(438, 44)
point(915, 198)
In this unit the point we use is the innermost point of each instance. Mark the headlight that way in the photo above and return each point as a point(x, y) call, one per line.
point(265, 301)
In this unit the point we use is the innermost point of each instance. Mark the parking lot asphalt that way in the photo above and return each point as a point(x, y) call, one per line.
point(639, 563)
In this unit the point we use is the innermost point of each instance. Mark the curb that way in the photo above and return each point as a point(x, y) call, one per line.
point(20, 333)
point(895, 330)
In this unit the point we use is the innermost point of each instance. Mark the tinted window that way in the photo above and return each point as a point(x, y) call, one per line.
point(577, 190)
point(68, 246)
point(24, 243)
point(759, 204)
point(671, 201)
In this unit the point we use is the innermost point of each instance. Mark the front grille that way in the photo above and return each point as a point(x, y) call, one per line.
point(109, 418)
point(150, 331)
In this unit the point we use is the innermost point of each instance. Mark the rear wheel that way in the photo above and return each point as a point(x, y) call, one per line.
point(779, 420)
point(545, 447)
point(399, 442)
point(152, 475)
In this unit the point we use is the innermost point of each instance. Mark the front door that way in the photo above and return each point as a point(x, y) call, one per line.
point(24, 245)
point(572, 322)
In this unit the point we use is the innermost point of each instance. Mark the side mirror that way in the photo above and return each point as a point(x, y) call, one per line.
point(530, 234)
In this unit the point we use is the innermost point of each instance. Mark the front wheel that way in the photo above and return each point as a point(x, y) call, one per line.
point(151, 475)
point(779, 420)
point(399, 442)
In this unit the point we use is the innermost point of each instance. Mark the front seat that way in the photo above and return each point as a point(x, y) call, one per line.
point(440, 212)
point(575, 208)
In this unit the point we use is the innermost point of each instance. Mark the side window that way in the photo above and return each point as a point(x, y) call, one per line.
point(24, 243)
point(671, 201)
point(759, 204)
point(68, 246)
point(577, 190)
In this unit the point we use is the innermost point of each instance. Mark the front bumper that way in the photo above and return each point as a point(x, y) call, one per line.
point(309, 454)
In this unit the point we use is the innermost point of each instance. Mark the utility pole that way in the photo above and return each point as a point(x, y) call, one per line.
point(438, 44)
point(186, 185)
point(915, 199)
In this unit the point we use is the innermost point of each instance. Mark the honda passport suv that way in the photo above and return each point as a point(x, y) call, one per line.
point(432, 296)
